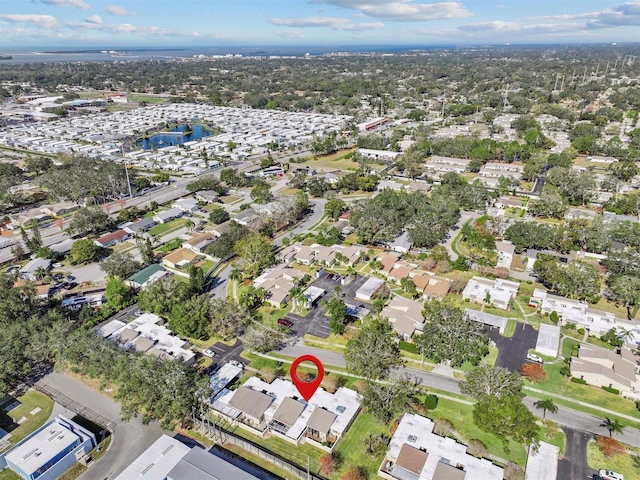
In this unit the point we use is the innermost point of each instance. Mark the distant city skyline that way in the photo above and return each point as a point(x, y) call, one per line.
point(163, 23)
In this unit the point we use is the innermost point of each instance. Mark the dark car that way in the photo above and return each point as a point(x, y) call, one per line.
point(287, 323)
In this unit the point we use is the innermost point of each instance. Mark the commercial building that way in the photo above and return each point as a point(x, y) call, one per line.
point(416, 453)
point(49, 451)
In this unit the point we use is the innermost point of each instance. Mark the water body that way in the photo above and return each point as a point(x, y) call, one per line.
point(174, 137)
point(127, 54)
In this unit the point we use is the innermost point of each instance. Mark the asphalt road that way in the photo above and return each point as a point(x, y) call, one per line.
point(574, 464)
point(318, 210)
point(220, 283)
point(512, 351)
point(130, 439)
point(565, 416)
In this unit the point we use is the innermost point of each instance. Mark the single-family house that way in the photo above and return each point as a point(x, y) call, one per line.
point(248, 217)
point(199, 241)
point(59, 209)
point(138, 226)
point(401, 244)
point(496, 292)
point(147, 276)
point(432, 286)
point(168, 215)
point(208, 196)
point(179, 258)
point(112, 238)
point(415, 452)
point(390, 185)
point(278, 282)
point(32, 269)
point(608, 368)
point(187, 205)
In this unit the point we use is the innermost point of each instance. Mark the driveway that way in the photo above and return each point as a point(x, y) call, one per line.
point(512, 351)
point(130, 438)
point(574, 464)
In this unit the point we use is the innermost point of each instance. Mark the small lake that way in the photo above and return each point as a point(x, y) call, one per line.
point(174, 137)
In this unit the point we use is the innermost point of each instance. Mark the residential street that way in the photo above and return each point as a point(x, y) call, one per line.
point(565, 416)
point(130, 439)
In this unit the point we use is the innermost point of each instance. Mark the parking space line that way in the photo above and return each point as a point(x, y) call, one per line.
point(218, 348)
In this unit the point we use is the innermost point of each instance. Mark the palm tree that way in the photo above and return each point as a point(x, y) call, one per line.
point(190, 225)
point(236, 274)
point(545, 405)
point(614, 426)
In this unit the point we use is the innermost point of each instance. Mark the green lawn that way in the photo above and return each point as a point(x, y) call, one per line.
point(461, 416)
point(230, 198)
point(166, 227)
point(623, 464)
point(554, 435)
point(171, 246)
point(568, 347)
point(351, 447)
point(29, 401)
point(556, 383)
point(145, 98)
point(334, 161)
point(7, 474)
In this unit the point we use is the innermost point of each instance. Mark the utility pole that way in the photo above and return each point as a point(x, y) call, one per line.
point(555, 87)
point(562, 85)
point(126, 171)
point(584, 77)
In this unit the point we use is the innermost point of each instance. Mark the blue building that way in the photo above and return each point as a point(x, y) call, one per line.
point(49, 451)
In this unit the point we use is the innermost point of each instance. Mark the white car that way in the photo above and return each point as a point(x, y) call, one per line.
point(209, 353)
point(534, 358)
point(609, 475)
point(236, 363)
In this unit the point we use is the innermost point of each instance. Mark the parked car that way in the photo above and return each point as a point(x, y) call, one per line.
point(609, 475)
point(236, 363)
point(534, 358)
point(208, 353)
point(287, 323)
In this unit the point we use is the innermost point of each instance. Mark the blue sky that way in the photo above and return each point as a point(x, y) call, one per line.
point(85, 23)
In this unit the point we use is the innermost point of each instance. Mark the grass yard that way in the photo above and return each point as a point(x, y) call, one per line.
point(230, 198)
point(607, 306)
point(557, 384)
point(568, 347)
point(351, 447)
point(7, 474)
point(623, 464)
point(145, 98)
point(554, 435)
point(29, 401)
point(162, 228)
point(171, 246)
point(336, 160)
point(461, 416)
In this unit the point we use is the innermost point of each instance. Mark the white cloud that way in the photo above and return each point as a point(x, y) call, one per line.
point(404, 10)
point(625, 14)
point(335, 23)
point(118, 10)
point(290, 34)
point(127, 28)
point(68, 3)
point(95, 19)
point(41, 21)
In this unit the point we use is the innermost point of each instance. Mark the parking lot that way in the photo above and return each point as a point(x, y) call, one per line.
point(512, 351)
point(316, 322)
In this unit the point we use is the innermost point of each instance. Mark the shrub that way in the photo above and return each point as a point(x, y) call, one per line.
point(477, 448)
point(581, 331)
point(611, 390)
point(578, 380)
point(565, 371)
point(610, 447)
point(355, 473)
point(430, 402)
point(328, 464)
point(638, 405)
point(554, 317)
point(533, 372)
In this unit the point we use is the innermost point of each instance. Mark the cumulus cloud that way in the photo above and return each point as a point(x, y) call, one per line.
point(95, 19)
point(625, 14)
point(335, 23)
point(91, 23)
point(68, 3)
point(404, 10)
point(117, 10)
point(41, 21)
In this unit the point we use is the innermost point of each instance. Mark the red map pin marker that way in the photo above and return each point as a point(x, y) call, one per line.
point(307, 389)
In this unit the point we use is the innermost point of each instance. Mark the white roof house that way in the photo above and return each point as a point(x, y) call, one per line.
point(29, 271)
point(168, 215)
point(156, 461)
point(498, 291)
point(278, 407)
point(186, 204)
point(416, 453)
point(370, 288)
point(548, 340)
